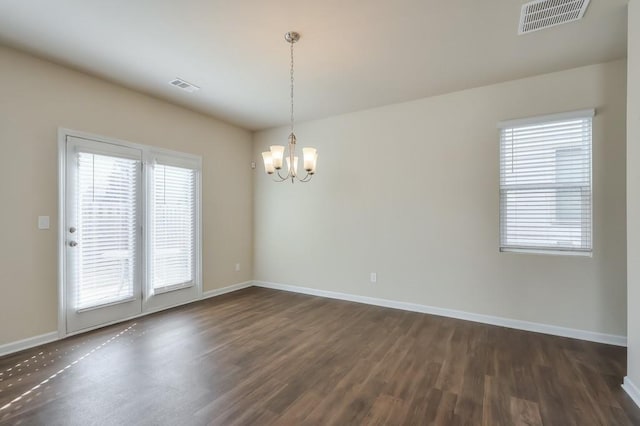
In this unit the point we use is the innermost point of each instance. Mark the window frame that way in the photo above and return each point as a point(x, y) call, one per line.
point(538, 120)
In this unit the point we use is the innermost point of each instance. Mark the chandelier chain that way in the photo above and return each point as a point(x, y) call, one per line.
point(292, 81)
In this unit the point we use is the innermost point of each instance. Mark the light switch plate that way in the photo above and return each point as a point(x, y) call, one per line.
point(43, 222)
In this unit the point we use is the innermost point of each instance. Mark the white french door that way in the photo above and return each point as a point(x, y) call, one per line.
point(103, 233)
point(131, 234)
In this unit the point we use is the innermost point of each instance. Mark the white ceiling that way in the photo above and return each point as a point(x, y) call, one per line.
point(353, 54)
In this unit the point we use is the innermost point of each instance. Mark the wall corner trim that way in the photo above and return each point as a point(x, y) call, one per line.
point(610, 339)
point(632, 390)
point(28, 343)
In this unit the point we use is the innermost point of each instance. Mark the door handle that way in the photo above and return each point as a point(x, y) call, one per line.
point(73, 243)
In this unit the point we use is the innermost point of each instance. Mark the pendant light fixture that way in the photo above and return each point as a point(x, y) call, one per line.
point(273, 159)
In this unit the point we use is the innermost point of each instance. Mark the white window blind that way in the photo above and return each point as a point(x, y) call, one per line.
point(173, 227)
point(107, 225)
point(545, 183)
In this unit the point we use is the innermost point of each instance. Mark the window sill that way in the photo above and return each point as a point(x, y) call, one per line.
point(547, 252)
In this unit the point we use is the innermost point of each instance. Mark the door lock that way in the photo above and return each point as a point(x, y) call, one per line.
point(73, 243)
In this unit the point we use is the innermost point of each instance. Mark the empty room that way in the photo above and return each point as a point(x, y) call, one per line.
point(411, 212)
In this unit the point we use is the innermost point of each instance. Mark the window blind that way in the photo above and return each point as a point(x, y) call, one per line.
point(173, 223)
point(545, 184)
point(107, 219)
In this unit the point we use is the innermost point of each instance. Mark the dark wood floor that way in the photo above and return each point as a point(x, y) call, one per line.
point(260, 357)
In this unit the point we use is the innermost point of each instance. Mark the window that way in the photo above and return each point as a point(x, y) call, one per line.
point(545, 184)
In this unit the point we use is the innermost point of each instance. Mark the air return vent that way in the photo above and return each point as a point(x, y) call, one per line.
point(186, 86)
point(540, 14)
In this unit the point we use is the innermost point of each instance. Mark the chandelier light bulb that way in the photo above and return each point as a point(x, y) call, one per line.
point(277, 153)
point(268, 162)
point(310, 157)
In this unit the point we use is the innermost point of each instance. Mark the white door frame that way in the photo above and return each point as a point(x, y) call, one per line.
point(147, 153)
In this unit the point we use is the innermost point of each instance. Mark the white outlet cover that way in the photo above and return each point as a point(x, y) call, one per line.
point(374, 277)
point(43, 222)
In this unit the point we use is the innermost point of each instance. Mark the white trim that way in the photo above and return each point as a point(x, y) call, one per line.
point(62, 131)
point(28, 343)
point(591, 336)
point(582, 253)
point(199, 232)
point(62, 170)
point(148, 152)
point(610, 339)
point(228, 289)
point(584, 113)
point(633, 390)
point(210, 293)
point(175, 159)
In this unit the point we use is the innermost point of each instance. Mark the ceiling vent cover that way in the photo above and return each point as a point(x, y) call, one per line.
point(540, 14)
point(184, 85)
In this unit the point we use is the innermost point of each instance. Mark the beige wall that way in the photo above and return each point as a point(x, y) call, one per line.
point(410, 191)
point(633, 193)
point(36, 97)
point(423, 213)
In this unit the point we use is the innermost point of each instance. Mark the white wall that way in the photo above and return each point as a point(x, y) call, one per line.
point(36, 97)
point(410, 191)
point(633, 199)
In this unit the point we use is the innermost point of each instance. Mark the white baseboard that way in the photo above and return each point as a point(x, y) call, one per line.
point(610, 339)
point(31, 342)
point(20, 345)
point(591, 336)
point(228, 289)
point(632, 390)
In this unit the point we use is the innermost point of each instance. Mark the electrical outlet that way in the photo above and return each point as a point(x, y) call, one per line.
point(373, 278)
point(237, 267)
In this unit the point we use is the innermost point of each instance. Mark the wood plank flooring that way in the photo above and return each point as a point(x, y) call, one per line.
point(262, 357)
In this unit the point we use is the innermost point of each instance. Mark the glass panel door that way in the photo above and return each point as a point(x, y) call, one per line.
point(103, 233)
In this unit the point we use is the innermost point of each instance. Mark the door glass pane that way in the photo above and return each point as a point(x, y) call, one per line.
point(107, 225)
point(173, 227)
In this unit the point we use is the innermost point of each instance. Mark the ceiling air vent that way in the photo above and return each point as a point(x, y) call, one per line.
point(186, 86)
point(540, 14)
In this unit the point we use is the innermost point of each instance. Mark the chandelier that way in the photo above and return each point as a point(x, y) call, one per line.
point(273, 159)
